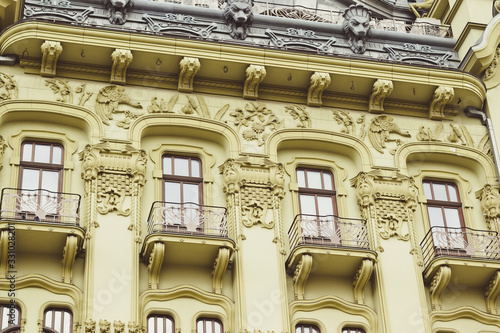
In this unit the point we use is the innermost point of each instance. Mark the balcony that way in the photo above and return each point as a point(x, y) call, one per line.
point(187, 234)
point(338, 246)
point(43, 222)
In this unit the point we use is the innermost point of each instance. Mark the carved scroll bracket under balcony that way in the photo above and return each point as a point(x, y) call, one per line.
point(319, 82)
point(254, 76)
point(69, 254)
point(361, 279)
point(121, 60)
point(381, 89)
point(50, 53)
point(220, 266)
point(189, 68)
point(302, 271)
point(442, 96)
point(154, 266)
point(438, 285)
point(491, 293)
point(490, 203)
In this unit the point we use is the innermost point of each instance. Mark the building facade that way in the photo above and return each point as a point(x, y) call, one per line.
point(249, 166)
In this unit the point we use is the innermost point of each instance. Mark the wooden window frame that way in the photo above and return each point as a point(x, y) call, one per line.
point(183, 179)
point(310, 326)
point(353, 330)
point(41, 166)
point(155, 329)
point(444, 204)
point(318, 192)
point(54, 310)
point(213, 321)
point(9, 327)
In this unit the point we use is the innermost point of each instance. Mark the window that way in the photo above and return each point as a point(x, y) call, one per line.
point(9, 318)
point(445, 214)
point(352, 330)
point(306, 328)
point(58, 320)
point(182, 180)
point(160, 324)
point(41, 166)
point(208, 325)
point(317, 204)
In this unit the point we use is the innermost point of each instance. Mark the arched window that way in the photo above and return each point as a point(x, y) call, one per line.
point(10, 318)
point(160, 324)
point(352, 330)
point(306, 328)
point(58, 320)
point(209, 325)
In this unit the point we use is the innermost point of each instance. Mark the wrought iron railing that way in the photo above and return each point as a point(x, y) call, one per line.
point(187, 218)
point(328, 230)
point(40, 205)
point(460, 242)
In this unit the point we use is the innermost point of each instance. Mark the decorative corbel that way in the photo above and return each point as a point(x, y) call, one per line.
point(69, 254)
point(133, 327)
point(230, 177)
point(220, 267)
point(121, 60)
point(490, 203)
point(189, 68)
point(491, 293)
point(361, 279)
point(119, 326)
point(365, 192)
point(50, 53)
point(4, 252)
point(255, 75)
point(154, 267)
point(319, 82)
point(381, 89)
point(438, 285)
point(89, 326)
point(301, 274)
point(104, 326)
point(442, 96)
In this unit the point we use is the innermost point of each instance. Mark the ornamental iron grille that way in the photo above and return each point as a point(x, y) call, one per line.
point(40, 205)
point(187, 218)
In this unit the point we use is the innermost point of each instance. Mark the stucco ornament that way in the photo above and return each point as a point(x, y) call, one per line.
point(104, 326)
point(230, 177)
point(256, 213)
point(255, 122)
point(357, 27)
point(491, 70)
point(239, 17)
point(119, 326)
point(61, 90)
point(380, 129)
point(490, 202)
point(89, 326)
point(391, 226)
point(319, 82)
point(111, 199)
point(133, 327)
point(118, 10)
point(109, 99)
point(300, 115)
point(426, 134)
point(89, 163)
point(50, 54)
point(8, 87)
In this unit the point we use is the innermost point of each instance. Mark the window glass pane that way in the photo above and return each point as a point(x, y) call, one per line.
point(191, 193)
point(42, 153)
point(67, 322)
point(217, 327)
point(27, 151)
point(452, 218)
point(169, 325)
point(440, 192)
point(298, 329)
point(452, 191)
point(56, 155)
point(159, 322)
point(327, 180)
point(427, 191)
point(5, 319)
point(307, 204)
point(436, 216)
point(325, 206)
point(306, 329)
point(30, 179)
point(199, 326)
point(151, 327)
point(301, 178)
point(314, 179)
point(57, 321)
point(315, 330)
point(208, 327)
point(172, 192)
point(167, 165)
point(48, 319)
point(195, 168)
point(50, 180)
point(181, 166)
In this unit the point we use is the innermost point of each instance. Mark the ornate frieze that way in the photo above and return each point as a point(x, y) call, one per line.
point(160, 106)
point(179, 23)
point(189, 68)
point(300, 115)
point(381, 89)
point(121, 60)
point(255, 122)
point(348, 125)
point(460, 134)
point(254, 76)
point(442, 96)
point(418, 53)
point(300, 38)
point(239, 17)
point(50, 54)
point(8, 87)
point(108, 101)
point(381, 128)
point(357, 27)
point(319, 82)
point(63, 10)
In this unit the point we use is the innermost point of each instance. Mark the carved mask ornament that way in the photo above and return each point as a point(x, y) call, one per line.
point(357, 27)
point(239, 17)
point(118, 10)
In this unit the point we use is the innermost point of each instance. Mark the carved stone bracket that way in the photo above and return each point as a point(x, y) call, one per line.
point(442, 96)
point(490, 203)
point(319, 82)
point(219, 269)
point(50, 53)
point(438, 285)
point(189, 68)
point(301, 274)
point(361, 279)
point(381, 89)
point(254, 76)
point(491, 293)
point(69, 254)
point(121, 60)
point(154, 266)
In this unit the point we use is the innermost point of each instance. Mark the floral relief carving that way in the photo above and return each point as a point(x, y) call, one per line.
point(104, 326)
point(133, 327)
point(491, 70)
point(119, 326)
point(300, 115)
point(8, 87)
point(3, 145)
point(381, 128)
point(89, 326)
point(390, 226)
point(347, 123)
point(364, 189)
point(159, 106)
point(460, 134)
point(61, 90)
point(255, 122)
point(108, 101)
point(428, 134)
point(84, 95)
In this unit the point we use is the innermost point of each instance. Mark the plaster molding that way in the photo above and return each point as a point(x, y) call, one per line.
point(438, 285)
point(154, 266)
point(302, 271)
point(50, 54)
point(254, 76)
point(121, 60)
point(319, 82)
point(464, 312)
point(189, 68)
point(219, 269)
point(442, 96)
point(69, 254)
point(491, 293)
point(380, 90)
point(361, 279)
